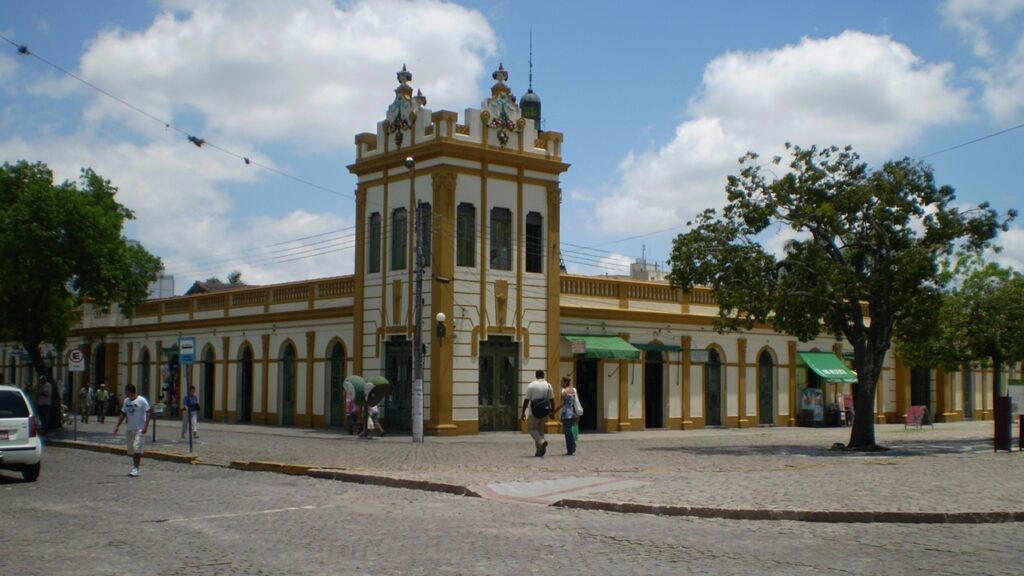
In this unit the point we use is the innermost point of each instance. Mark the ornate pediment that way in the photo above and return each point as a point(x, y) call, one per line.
point(500, 111)
point(402, 112)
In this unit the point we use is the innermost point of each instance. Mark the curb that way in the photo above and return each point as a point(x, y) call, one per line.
point(830, 516)
point(122, 451)
point(393, 482)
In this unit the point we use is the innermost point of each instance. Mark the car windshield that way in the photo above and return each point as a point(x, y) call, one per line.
point(12, 405)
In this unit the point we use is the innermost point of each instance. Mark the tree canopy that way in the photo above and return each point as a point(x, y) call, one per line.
point(862, 263)
point(59, 245)
point(981, 318)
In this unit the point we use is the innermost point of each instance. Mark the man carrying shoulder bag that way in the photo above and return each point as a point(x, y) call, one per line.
point(537, 406)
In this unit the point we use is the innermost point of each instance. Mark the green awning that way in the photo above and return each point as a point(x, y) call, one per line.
point(828, 366)
point(605, 347)
point(659, 347)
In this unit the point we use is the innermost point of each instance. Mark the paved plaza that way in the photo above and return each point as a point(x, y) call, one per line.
point(945, 473)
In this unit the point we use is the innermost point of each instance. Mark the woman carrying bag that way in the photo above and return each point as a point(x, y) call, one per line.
point(569, 411)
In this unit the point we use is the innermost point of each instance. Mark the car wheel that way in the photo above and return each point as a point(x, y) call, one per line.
point(30, 473)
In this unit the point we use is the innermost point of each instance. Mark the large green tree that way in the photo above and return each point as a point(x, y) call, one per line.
point(60, 244)
point(863, 264)
point(981, 318)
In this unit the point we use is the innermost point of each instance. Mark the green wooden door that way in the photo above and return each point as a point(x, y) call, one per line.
point(713, 390)
point(397, 409)
point(288, 387)
point(498, 397)
point(337, 376)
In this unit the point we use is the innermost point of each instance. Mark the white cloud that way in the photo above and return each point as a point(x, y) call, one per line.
point(855, 88)
point(309, 72)
point(292, 75)
point(993, 29)
point(1012, 254)
point(974, 18)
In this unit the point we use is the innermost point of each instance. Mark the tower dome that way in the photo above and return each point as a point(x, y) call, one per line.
point(530, 105)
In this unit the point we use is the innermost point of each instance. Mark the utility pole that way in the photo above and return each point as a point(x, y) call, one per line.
point(417, 339)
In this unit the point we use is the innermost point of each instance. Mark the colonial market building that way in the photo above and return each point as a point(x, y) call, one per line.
point(485, 187)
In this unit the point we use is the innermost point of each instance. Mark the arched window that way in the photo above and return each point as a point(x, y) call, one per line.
point(501, 239)
point(373, 244)
point(534, 242)
point(713, 389)
point(766, 388)
point(399, 238)
point(465, 250)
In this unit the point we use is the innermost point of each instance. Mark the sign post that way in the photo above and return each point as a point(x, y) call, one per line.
point(76, 363)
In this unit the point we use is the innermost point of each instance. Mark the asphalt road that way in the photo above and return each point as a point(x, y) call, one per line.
point(85, 516)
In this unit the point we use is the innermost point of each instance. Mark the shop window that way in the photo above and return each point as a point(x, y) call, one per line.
point(399, 238)
point(501, 239)
point(534, 242)
point(465, 251)
point(373, 241)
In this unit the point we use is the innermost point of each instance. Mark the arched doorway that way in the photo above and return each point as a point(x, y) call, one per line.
point(145, 380)
point(498, 378)
point(288, 371)
point(654, 389)
point(587, 378)
point(921, 388)
point(397, 413)
point(336, 376)
point(713, 389)
point(245, 385)
point(766, 389)
point(209, 383)
point(967, 382)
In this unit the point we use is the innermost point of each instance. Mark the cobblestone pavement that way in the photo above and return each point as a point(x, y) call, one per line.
point(950, 468)
point(86, 517)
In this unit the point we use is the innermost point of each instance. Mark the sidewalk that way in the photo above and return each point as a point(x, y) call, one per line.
point(948, 473)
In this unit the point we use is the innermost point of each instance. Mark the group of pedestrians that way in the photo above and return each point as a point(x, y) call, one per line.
point(97, 402)
point(539, 405)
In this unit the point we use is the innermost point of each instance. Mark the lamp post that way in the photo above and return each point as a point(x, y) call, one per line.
point(417, 341)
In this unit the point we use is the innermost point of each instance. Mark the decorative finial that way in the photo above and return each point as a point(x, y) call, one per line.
point(420, 98)
point(404, 76)
point(500, 74)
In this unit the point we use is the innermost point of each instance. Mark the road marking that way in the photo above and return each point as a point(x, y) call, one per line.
point(241, 514)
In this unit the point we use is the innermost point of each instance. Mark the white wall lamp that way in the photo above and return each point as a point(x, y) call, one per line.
point(441, 330)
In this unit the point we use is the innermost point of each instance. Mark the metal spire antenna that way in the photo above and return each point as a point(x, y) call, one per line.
point(531, 59)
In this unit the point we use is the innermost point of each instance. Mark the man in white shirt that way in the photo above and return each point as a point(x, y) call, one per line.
point(136, 412)
point(537, 405)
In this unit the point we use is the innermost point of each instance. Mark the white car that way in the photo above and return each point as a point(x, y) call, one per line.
point(21, 448)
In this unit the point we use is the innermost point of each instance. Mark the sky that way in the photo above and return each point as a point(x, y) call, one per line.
point(657, 100)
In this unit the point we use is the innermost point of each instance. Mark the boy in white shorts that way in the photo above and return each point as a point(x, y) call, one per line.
point(136, 411)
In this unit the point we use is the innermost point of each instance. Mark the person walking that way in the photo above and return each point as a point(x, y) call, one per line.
point(191, 414)
point(86, 398)
point(537, 405)
point(102, 397)
point(137, 413)
point(567, 413)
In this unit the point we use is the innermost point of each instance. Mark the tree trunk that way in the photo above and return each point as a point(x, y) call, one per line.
point(862, 436)
point(997, 376)
point(868, 362)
